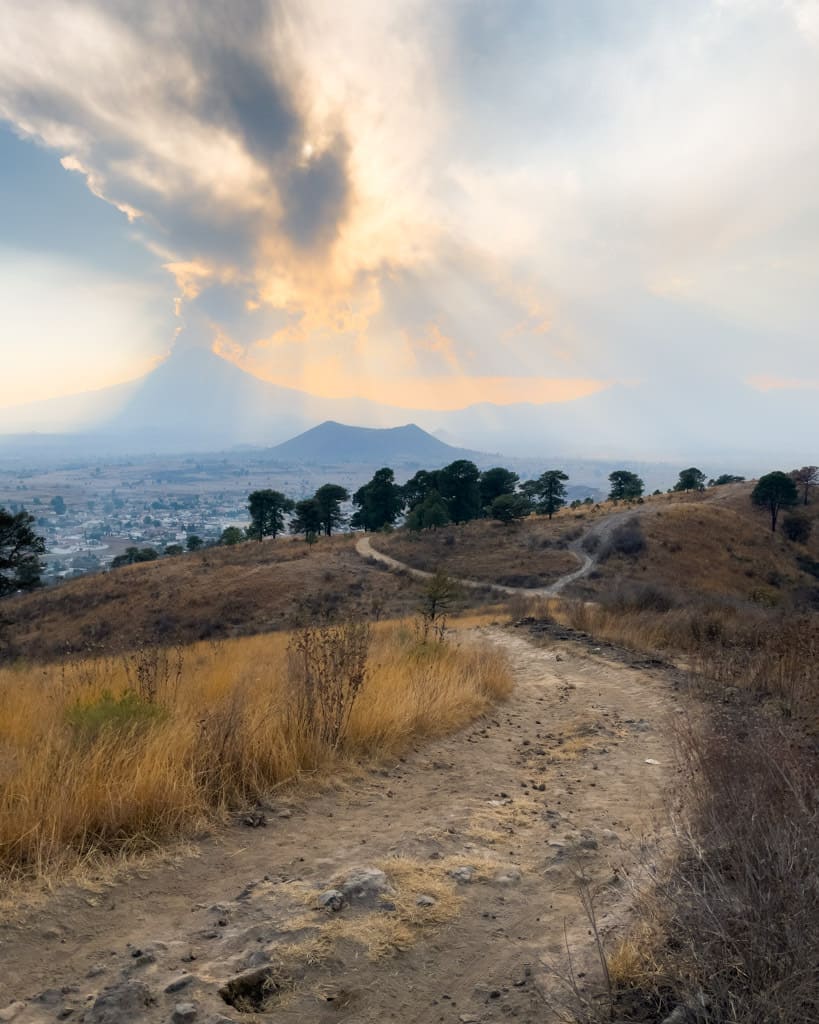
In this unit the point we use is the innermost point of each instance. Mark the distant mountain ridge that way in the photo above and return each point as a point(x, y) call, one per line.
point(332, 443)
point(197, 401)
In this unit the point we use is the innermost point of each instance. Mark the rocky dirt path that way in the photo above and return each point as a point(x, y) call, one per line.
point(435, 889)
point(601, 530)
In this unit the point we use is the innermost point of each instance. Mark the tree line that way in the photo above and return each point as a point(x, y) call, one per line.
point(457, 493)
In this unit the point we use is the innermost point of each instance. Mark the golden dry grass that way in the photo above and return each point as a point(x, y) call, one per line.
point(88, 767)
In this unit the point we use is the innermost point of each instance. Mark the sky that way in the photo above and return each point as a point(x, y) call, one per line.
point(428, 204)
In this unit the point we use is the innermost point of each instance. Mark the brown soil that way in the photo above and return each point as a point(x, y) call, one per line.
point(570, 776)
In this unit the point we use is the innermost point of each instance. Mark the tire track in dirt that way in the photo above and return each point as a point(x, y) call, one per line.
point(570, 775)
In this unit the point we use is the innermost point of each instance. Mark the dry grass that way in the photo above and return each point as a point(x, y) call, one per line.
point(98, 759)
point(761, 654)
point(217, 593)
point(527, 554)
point(732, 931)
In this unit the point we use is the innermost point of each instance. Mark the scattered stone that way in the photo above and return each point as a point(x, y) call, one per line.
point(332, 899)
point(609, 836)
point(179, 983)
point(506, 876)
point(255, 820)
point(365, 883)
point(11, 1011)
point(650, 760)
point(387, 906)
point(463, 875)
point(257, 959)
point(127, 1000)
point(425, 901)
point(285, 812)
point(144, 959)
point(92, 972)
point(588, 843)
point(50, 997)
point(183, 1013)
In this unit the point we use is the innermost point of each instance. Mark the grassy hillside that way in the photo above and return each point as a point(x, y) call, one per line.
point(219, 592)
point(111, 755)
point(715, 544)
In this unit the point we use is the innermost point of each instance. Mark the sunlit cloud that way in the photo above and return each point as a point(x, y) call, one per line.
point(438, 204)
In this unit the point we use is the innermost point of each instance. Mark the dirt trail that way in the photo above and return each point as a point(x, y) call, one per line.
point(480, 835)
point(601, 530)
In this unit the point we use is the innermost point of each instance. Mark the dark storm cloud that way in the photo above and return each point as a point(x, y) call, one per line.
point(200, 65)
point(315, 198)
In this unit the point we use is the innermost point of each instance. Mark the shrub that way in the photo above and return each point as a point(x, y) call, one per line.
point(741, 904)
point(797, 528)
point(327, 668)
point(625, 539)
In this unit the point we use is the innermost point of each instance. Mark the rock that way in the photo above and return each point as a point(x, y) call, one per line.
point(126, 1001)
point(506, 876)
point(179, 983)
point(463, 875)
point(50, 997)
point(255, 820)
point(183, 1013)
point(425, 901)
point(258, 958)
point(587, 843)
point(650, 760)
point(364, 884)
point(609, 836)
point(332, 899)
point(11, 1011)
point(285, 812)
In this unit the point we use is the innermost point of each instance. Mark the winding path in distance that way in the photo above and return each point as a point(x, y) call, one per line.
point(602, 530)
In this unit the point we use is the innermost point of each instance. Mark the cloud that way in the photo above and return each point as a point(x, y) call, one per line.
point(479, 193)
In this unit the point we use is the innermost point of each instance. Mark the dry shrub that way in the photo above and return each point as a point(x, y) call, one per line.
point(88, 767)
point(740, 908)
point(765, 653)
point(326, 670)
point(625, 539)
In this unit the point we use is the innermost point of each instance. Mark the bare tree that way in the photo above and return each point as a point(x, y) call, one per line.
point(806, 477)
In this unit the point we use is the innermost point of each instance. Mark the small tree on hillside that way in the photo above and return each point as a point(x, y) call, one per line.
point(459, 485)
point(58, 504)
point(429, 513)
point(806, 477)
point(551, 491)
point(231, 535)
point(328, 498)
point(510, 508)
point(692, 479)
point(625, 486)
point(775, 491)
point(194, 543)
point(727, 478)
point(307, 519)
point(20, 551)
point(496, 482)
point(267, 511)
point(378, 503)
